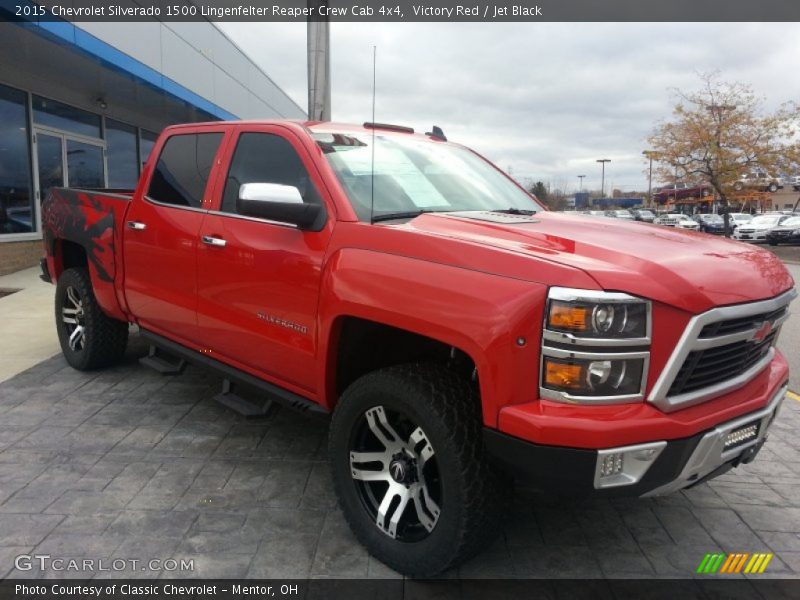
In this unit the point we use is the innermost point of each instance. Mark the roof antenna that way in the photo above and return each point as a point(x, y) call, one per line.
point(372, 176)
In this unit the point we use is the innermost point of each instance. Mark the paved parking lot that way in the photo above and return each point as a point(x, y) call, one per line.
point(127, 463)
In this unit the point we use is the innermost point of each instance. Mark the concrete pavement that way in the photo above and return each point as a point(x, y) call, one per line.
point(27, 333)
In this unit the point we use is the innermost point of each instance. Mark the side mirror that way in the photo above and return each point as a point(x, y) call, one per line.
point(281, 203)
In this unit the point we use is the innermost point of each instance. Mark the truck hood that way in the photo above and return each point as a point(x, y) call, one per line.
point(689, 270)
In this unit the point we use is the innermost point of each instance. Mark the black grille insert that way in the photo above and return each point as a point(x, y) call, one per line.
point(704, 368)
point(741, 324)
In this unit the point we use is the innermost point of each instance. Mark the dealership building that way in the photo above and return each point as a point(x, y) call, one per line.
point(81, 106)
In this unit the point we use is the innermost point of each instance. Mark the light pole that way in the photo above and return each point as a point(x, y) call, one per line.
point(603, 162)
point(580, 183)
point(649, 154)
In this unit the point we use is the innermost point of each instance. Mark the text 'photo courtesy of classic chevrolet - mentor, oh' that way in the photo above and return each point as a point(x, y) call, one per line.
point(458, 334)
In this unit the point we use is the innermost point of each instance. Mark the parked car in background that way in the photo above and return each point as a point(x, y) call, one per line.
point(680, 191)
point(678, 220)
point(757, 229)
point(758, 180)
point(787, 232)
point(620, 214)
point(644, 215)
point(794, 182)
point(597, 213)
point(711, 223)
point(740, 219)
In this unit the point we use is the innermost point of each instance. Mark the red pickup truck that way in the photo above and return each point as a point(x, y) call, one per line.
point(455, 330)
point(673, 192)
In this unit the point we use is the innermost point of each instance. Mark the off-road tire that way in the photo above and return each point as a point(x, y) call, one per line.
point(105, 339)
point(447, 407)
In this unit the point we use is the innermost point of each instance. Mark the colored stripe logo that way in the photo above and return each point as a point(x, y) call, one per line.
point(735, 562)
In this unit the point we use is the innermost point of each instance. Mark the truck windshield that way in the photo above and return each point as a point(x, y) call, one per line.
point(413, 176)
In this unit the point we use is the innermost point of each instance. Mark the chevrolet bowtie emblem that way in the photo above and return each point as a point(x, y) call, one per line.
point(763, 331)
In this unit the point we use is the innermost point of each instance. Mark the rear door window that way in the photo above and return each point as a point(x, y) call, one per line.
point(182, 171)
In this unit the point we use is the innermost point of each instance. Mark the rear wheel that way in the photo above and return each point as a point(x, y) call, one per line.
point(89, 338)
point(773, 187)
point(738, 186)
point(409, 468)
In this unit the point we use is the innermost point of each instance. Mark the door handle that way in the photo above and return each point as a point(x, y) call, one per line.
point(214, 241)
point(136, 225)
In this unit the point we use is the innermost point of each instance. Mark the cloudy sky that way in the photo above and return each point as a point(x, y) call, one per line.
point(543, 99)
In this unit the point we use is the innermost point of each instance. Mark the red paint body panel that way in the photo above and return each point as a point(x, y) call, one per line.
point(272, 301)
point(440, 302)
point(92, 221)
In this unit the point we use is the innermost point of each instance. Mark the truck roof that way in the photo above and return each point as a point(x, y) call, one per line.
point(313, 126)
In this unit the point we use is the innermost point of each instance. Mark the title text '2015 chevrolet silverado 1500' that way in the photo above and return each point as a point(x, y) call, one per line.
point(454, 330)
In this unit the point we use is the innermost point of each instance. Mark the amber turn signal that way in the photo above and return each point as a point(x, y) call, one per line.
point(567, 316)
point(559, 375)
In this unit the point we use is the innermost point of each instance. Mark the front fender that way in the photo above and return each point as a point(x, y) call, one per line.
point(495, 320)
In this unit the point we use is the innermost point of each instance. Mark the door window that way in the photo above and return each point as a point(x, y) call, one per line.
point(57, 115)
point(182, 171)
point(123, 155)
point(266, 158)
point(85, 165)
point(51, 162)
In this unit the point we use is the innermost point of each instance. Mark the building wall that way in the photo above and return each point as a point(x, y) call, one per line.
point(203, 59)
point(19, 255)
point(144, 75)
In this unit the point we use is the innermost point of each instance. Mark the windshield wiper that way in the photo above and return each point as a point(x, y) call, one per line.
point(410, 214)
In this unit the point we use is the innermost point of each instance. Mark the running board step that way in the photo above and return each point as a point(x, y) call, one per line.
point(164, 363)
point(248, 407)
point(279, 395)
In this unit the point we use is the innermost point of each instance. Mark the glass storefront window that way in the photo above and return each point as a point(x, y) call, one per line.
point(50, 113)
point(146, 145)
point(122, 155)
point(16, 200)
point(85, 165)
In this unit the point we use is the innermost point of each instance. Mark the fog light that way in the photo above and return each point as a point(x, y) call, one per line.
point(611, 464)
point(741, 436)
point(626, 465)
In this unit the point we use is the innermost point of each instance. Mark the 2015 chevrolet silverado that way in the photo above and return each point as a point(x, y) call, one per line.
point(453, 328)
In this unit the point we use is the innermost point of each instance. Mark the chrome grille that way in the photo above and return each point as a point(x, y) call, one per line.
point(720, 350)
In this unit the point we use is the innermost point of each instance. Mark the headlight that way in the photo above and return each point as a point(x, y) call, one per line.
point(590, 377)
point(587, 314)
point(584, 331)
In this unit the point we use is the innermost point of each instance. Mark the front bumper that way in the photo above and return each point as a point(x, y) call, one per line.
point(752, 236)
point(680, 463)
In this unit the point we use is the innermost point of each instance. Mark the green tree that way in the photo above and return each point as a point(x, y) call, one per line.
point(539, 190)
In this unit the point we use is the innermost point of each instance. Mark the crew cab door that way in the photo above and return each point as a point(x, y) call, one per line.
point(161, 236)
point(258, 280)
